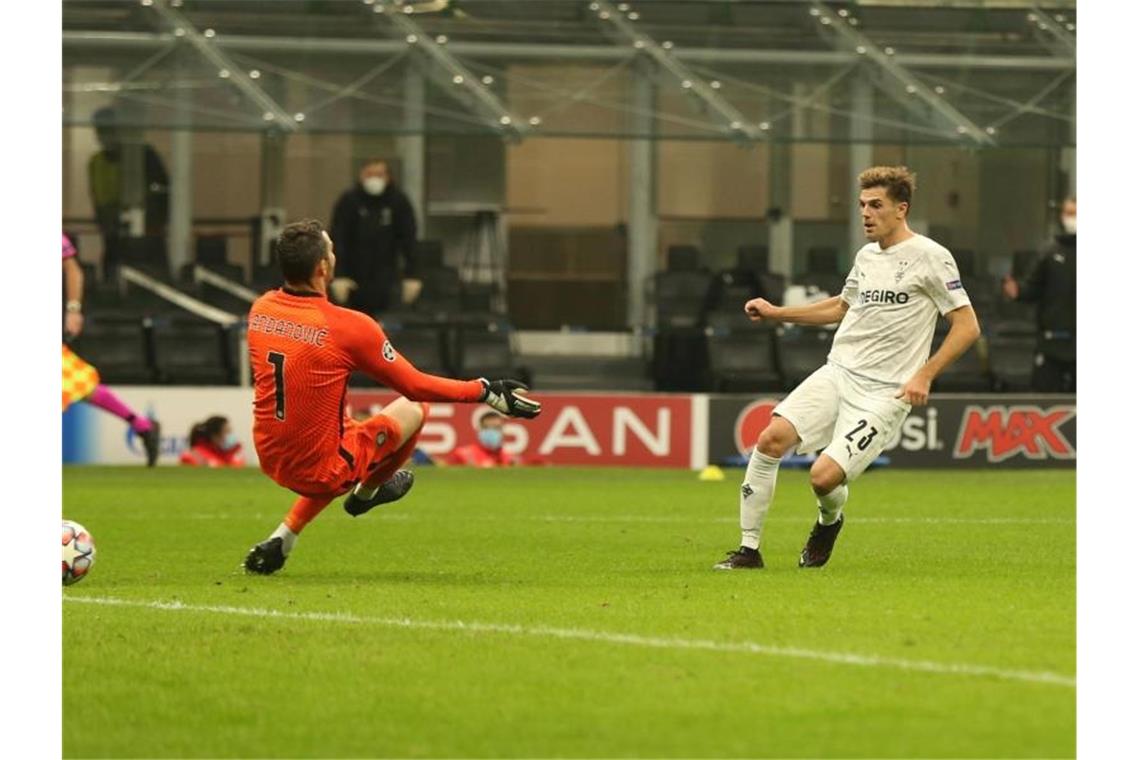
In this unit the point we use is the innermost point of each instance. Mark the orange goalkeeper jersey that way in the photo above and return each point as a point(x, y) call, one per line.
point(303, 349)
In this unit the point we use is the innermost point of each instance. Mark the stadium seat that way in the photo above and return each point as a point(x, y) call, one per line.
point(966, 261)
point(192, 351)
point(424, 346)
point(969, 374)
point(680, 297)
point(1012, 351)
point(800, 351)
point(753, 258)
point(683, 258)
point(119, 348)
point(823, 270)
point(680, 358)
point(442, 291)
point(486, 352)
point(741, 355)
point(730, 289)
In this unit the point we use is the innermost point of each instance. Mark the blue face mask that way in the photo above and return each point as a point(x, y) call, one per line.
point(491, 438)
point(229, 441)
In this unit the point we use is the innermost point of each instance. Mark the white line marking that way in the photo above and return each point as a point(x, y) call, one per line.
point(606, 637)
point(411, 516)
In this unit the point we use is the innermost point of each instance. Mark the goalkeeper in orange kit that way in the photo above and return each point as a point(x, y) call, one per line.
point(302, 349)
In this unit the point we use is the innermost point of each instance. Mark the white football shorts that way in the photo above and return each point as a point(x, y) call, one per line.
point(849, 417)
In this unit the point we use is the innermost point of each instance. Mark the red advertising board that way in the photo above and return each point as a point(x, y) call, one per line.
point(639, 430)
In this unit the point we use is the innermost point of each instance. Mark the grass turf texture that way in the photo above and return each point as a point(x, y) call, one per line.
point(988, 580)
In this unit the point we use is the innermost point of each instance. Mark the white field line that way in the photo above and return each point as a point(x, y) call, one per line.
point(409, 516)
point(606, 637)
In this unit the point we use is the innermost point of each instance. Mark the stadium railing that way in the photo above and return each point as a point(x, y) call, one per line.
point(223, 319)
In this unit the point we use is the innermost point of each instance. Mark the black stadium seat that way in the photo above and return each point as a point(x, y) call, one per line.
point(193, 351)
point(741, 355)
point(119, 348)
point(680, 297)
point(800, 351)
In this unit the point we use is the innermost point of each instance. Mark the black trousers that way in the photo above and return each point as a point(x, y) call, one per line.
point(1054, 375)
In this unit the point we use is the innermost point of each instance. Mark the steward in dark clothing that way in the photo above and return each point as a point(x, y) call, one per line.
point(374, 231)
point(1052, 285)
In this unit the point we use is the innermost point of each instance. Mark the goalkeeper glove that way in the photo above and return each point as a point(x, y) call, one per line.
point(504, 396)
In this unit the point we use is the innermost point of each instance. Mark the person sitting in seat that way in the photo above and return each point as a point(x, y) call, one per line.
point(213, 444)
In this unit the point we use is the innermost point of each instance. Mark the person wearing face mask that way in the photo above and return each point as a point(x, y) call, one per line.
point(1052, 285)
point(374, 231)
point(213, 444)
point(487, 451)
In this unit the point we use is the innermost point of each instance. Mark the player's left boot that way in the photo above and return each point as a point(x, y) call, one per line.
point(267, 557)
point(151, 440)
point(818, 548)
point(396, 487)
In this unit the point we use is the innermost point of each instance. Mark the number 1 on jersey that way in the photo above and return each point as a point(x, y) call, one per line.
point(278, 362)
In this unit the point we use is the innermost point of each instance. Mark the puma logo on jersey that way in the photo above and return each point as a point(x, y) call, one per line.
point(883, 296)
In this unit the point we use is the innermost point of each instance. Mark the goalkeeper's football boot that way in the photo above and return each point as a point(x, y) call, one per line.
point(393, 489)
point(266, 558)
point(818, 548)
point(150, 441)
point(741, 559)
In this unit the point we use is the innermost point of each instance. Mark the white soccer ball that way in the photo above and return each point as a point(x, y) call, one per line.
point(78, 552)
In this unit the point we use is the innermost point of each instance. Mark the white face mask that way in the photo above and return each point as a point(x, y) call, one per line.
point(374, 185)
point(1069, 224)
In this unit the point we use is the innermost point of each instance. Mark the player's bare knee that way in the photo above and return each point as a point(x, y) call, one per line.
point(826, 476)
point(776, 438)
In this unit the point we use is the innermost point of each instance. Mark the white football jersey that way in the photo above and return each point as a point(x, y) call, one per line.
point(895, 296)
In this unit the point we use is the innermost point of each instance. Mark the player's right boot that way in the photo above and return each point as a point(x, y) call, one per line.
point(266, 558)
point(741, 559)
point(396, 487)
point(818, 548)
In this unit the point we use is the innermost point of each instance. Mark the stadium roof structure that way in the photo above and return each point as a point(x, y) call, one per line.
point(966, 72)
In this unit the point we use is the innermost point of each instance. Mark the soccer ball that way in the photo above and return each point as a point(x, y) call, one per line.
point(78, 552)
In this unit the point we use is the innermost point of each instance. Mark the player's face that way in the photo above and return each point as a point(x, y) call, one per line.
point(881, 215)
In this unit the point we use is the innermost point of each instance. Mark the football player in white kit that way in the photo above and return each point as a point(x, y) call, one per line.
point(879, 366)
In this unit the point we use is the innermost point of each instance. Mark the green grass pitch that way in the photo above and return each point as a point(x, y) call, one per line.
point(573, 613)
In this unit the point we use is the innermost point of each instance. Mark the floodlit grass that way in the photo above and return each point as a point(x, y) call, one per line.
point(573, 613)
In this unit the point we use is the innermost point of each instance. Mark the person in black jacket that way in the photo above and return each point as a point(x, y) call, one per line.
point(374, 231)
point(1052, 285)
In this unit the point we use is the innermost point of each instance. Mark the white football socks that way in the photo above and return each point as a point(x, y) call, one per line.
point(831, 504)
point(364, 492)
point(288, 538)
point(756, 496)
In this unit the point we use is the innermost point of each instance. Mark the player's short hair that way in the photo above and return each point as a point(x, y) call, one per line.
point(375, 160)
point(899, 181)
point(300, 247)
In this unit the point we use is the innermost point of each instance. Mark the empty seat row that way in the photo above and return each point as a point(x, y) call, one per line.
point(455, 349)
point(733, 355)
point(164, 348)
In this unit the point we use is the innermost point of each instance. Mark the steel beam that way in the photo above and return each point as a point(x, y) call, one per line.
point(736, 123)
point(455, 75)
point(513, 50)
point(1067, 41)
point(272, 112)
point(912, 86)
